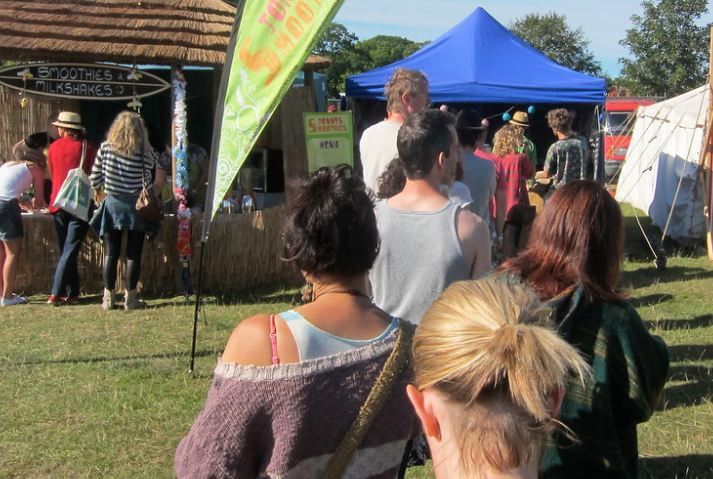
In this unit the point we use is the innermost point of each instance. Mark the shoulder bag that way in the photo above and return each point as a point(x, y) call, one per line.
point(147, 205)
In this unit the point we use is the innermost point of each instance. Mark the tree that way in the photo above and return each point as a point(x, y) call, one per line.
point(385, 49)
point(551, 35)
point(339, 45)
point(670, 52)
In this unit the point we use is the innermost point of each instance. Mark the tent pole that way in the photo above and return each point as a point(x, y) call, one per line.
point(708, 153)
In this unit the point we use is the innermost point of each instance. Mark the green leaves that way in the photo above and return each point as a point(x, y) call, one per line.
point(550, 34)
point(669, 49)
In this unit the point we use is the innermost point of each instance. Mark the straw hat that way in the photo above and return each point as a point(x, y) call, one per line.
point(520, 118)
point(69, 119)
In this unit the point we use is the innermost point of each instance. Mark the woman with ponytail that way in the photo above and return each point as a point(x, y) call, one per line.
point(572, 262)
point(489, 379)
point(319, 390)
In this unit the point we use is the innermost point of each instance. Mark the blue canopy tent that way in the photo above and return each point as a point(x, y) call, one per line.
point(481, 61)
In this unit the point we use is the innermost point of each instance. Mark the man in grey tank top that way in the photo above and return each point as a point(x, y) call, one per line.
point(427, 242)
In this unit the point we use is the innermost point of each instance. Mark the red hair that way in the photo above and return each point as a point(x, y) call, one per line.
point(577, 239)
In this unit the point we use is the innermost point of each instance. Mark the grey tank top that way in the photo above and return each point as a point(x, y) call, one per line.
point(313, 342)
point(420, 255)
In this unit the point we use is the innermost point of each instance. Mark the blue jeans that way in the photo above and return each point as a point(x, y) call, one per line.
point(70, 232)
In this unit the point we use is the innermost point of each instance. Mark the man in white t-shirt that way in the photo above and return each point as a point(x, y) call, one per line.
point(406, 93)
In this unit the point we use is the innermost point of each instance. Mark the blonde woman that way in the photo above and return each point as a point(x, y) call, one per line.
point(489, 379)
point(124, 161)
point(511, 199)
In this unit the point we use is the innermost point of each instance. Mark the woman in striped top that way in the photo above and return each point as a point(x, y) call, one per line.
point(123, 163)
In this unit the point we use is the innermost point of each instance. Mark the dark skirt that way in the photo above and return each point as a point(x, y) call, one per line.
point(118, 212)
point(10, 220)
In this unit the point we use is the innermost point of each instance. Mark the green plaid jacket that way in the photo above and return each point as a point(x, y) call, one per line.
point(629, 366)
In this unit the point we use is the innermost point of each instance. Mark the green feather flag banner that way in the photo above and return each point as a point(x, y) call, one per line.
point(274, 37)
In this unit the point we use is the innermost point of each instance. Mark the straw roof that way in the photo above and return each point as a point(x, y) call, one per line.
point(194, 32)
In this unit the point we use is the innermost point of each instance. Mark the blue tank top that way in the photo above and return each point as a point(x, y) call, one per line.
point(313, 342)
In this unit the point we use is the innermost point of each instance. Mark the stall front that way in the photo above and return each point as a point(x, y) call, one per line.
point(172, 33)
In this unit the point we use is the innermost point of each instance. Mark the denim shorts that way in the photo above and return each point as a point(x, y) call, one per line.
point(10, 220)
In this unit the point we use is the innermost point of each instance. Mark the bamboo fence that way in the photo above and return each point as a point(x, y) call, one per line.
point(243, 251)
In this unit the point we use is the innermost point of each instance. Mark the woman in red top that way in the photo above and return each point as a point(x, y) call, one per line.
point(65, 154)
point(513, 215)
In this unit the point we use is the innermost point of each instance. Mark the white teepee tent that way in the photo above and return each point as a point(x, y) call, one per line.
point(662, 174)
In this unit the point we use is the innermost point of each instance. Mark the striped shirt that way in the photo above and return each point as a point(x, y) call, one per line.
point(119, 174)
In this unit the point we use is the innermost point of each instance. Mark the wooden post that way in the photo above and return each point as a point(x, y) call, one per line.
point(707, 155)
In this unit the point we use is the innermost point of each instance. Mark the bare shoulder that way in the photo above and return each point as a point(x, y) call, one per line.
point(469, 224)
point(249, 344)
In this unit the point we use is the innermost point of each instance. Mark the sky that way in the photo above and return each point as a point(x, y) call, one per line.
point(603, 22)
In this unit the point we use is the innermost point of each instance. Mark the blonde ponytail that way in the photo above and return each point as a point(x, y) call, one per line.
point(486, 343)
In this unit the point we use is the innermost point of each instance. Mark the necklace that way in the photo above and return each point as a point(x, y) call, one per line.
point(350, 291)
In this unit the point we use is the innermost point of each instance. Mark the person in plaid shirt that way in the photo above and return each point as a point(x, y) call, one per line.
point(565, 157)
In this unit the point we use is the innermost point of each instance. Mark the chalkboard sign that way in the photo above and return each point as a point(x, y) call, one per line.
point(82, 81)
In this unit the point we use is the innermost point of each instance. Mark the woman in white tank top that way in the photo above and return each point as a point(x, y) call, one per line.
point(16, 177)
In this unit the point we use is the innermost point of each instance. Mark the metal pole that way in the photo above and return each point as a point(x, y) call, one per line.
point(199, 298)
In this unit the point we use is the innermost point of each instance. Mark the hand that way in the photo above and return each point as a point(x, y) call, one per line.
point(38, 203)
point(99, 195)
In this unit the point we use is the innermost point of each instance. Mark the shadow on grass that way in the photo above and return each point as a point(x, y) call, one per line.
point(650, 299)
point(691, 466)
point(696, 390)
point(702, 321)
point(643, 277)
point(690, 352)
point(102, 359)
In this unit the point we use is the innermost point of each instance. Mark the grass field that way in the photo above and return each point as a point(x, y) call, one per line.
point(89, 394)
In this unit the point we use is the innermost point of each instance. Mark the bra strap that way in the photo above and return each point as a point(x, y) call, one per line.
point(273, 340)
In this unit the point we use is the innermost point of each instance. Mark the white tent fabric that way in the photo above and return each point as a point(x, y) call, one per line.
point(663, 158)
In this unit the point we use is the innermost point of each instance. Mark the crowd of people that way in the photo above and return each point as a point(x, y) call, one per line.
point(118, 170)
point(416, 342)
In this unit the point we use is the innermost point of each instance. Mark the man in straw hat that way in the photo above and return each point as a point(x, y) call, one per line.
point(66, 154)
point(522, 120)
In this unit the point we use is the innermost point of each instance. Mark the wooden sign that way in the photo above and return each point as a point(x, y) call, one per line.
point(82, 81)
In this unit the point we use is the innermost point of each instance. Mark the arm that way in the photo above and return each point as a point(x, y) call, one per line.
point(38, 182)
point(97, 175)
point(527, 171)
point(549, 159)
point(474, 238)
point(500, 206)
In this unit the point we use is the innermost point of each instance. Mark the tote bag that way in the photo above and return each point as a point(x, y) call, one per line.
point(75, 194)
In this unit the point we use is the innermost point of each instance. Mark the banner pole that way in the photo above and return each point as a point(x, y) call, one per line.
point(208, 205)
point(199, 304)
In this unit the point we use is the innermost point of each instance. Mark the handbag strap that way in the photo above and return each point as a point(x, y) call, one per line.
point(84, 154)
point(392, 368)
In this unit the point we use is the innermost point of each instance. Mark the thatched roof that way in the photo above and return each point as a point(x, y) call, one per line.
point(189, 32)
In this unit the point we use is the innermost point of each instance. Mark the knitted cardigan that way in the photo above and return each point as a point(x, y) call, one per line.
point(629, 366)
point(286, 421)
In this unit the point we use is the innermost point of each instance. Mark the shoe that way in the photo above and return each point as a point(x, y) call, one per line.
point(108, 300)
point(72, 301)
point(54, 300)
point(132, 301)
point(15, 300)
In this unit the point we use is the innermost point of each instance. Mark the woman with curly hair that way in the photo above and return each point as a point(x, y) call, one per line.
point(123, 165)
point(574, 266)
point(513, 212)
point(319, 390)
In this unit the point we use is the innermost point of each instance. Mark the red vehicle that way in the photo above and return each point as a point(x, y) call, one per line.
point(619, 116)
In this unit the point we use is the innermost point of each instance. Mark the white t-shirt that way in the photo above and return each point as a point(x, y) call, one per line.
point(15, 179)
point(377, 148)
point(459, 193)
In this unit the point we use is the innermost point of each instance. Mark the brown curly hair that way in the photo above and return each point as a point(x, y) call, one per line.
point(508, 140)
point(559, 119)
